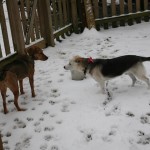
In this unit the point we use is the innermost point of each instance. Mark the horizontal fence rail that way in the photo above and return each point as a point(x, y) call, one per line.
point(40, 22)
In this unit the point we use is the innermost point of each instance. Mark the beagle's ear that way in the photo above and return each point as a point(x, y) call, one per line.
point(79, 60)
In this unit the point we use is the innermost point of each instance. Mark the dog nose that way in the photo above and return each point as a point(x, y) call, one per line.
point(46, 57)
point(64, 67)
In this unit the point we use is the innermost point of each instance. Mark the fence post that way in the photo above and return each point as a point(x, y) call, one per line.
point(45, 19)
point(1, 143)
point(89, 14)
point(74, 16)
point(15, 25)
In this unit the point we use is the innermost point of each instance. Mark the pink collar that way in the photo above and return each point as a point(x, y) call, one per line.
point(90, 60)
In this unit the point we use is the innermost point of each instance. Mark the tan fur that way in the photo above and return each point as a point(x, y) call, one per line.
point(15, 72)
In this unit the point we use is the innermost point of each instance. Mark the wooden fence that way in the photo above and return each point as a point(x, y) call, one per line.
point(40, 22)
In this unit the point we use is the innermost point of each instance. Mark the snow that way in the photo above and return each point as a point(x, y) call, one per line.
point(71, 115)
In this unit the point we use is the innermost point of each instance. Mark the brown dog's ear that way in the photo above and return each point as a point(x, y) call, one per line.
point(29, 51)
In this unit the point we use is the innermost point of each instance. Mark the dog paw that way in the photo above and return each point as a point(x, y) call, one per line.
point(130, 114)
point(30, 119)
point(46, 112)
point(49, 128)
point(54, 147)
point(59, 122)
point(43, 147)
point(65, 108)
point(144, 119)
point(48, 137)
point(143, 138)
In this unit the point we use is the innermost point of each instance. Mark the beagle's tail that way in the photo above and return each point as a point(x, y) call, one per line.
point(145, 58)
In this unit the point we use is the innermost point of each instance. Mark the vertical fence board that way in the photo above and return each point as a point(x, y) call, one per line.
point(64, 12)
point(138, 8)
point(122, 22)
point(145, 4)
point(55, 15)
point(68, 11)
point(0, 52)
point(60, 13)
point(4, 30)
point(74, 15)
point(28, 35)
point(146, 18)
point(45, 19)
point(113, 11)
point(81, 15)
point(130, 10)
point(29, 6)
point(105, 13)
point(137, 5)
point(89, 14)
point(96, 12)
point(23, 16)
point(37, 28)
point(15, 24)
point(95, 9)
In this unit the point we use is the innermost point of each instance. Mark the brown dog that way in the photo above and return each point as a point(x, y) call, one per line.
point(20, 68)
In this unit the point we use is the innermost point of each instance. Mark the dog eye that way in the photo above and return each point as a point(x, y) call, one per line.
point(70, 64)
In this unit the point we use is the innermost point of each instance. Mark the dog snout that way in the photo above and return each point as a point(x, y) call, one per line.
point(46, 57)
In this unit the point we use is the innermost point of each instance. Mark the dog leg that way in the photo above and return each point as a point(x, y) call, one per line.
point(133, 79)
point(21, 86)
point(145, 79)
point(3, 93)
point(12, 84)
point(102, 85)
point(31, 80)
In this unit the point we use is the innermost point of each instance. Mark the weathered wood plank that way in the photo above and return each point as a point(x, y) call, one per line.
point(28, 35)
point(89, 14)
point(36, 23)
point(64, 11)
point(4, 30)
point(29, 12)
point(55, 21)
point(122, 22)
point(113, 11)
point(74, 16)
point(96, 11)
point(0, 51)
point(45, 19)
point(60, 13)
point(105, 13)
point(125, 17)
point(23, 16)
point(130, 10)
point(138, 8)
point(15, 25)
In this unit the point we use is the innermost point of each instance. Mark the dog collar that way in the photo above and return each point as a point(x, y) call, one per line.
point(90, 60)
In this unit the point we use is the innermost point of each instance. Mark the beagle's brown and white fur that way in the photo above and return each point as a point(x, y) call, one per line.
point(105, 69)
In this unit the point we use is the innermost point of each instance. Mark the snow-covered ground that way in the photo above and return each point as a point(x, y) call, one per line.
point(71, 115)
